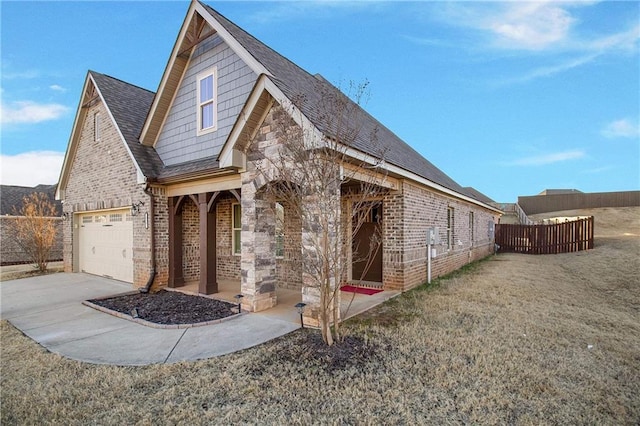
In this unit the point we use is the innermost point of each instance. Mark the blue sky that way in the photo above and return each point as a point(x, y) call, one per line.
point(510, 98)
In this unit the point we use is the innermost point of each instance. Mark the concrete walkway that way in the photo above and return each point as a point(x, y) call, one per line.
point(49, 310)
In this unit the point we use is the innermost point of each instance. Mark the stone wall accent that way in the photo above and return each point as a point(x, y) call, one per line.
point(102, 176)
point(258, 260)
point(313, 237)
point(11, 253)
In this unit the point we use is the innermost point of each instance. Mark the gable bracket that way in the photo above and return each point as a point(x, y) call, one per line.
point(212, 200)
point(194, 36)
point(91, 102)
point(235, 194)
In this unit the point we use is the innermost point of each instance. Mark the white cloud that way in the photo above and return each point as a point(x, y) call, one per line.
point(544, 159)
point(31, 168)
point(514, 25)
point(551, 70)
point(20, 75)
point(623, 128)
point(57, 88)
point(539, 30)
point(531, 26)
point(30, 112)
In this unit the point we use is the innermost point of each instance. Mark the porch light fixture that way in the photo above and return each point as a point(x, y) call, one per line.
point(65, 216)
point(238, 298)
point(300, 307)
point(135, 208)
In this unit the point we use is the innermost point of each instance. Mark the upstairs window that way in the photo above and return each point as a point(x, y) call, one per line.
point(207, 88)
point(96, 127)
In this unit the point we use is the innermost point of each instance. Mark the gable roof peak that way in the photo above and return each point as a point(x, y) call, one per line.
point(99, 74)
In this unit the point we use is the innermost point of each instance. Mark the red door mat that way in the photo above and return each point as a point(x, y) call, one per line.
point(361, 290)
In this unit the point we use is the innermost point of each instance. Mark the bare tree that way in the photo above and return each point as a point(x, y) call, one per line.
point(35, 228)
point(315, 172)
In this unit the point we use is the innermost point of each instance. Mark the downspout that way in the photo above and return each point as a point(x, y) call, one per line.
point(151, 221)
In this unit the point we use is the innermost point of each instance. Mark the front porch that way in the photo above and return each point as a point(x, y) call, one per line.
point(351, 304)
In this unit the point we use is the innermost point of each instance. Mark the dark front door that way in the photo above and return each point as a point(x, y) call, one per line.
point(367, 248)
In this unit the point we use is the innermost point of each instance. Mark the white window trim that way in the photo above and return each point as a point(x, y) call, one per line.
point(233, 230)
point(209, 72)
point(96, 127)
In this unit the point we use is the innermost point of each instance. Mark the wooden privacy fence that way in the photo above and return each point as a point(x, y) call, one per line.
point(546, 239)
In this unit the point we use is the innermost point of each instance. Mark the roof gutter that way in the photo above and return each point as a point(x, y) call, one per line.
point(189, 176)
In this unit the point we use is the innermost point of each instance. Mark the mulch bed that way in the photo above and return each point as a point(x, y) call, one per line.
point(306, 348)
point(169, 307)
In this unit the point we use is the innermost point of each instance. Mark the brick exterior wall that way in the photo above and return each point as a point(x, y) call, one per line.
point(228, 264)
point(11, 253)
point(190, 241)
point(288, 267)
point(103, 176)
point(161, 235)
point(422, 209)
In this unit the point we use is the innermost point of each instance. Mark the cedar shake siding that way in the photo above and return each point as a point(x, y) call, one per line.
point(178, 141)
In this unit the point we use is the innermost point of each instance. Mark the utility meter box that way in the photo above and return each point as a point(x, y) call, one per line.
point(433, 236)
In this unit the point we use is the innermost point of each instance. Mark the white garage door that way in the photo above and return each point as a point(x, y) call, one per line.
point(106, 244)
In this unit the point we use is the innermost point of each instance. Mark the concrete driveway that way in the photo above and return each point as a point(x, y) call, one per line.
point(49, 310)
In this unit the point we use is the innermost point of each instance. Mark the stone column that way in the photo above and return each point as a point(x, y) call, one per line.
point(321, 234)
point(258, 258)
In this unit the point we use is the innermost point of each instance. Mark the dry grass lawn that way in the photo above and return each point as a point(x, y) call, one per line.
point(515, 339)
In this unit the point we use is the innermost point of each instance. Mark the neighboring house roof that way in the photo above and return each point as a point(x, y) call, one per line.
point(478, 195)
point(11, 197)
point(129, 106)
point(560, 191)
point(297, 83)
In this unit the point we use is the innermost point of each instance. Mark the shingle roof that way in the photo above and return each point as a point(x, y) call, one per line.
point(474, 193)
point(197, 166)
point(11, 196)
point(297, 83)
point(130, 105)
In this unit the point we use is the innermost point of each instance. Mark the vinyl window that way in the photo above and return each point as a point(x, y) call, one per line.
point(207, 101)
point(236, 227)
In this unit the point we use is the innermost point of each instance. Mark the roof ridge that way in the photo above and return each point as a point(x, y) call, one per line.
point(255, 39)
point(120, 80)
